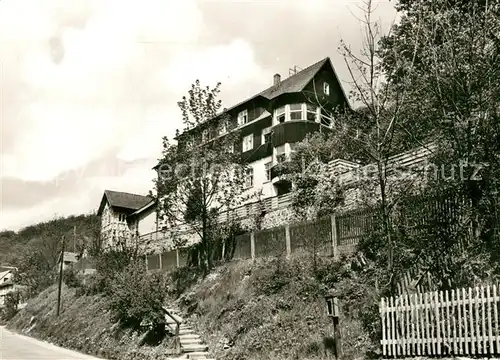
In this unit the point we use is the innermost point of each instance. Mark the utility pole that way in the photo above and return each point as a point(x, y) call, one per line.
point(60, 278)
point(74, 238)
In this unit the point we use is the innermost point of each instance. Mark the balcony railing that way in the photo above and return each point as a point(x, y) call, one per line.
point(239, 213)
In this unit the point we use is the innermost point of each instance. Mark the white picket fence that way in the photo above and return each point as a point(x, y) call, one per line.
point(456, 322)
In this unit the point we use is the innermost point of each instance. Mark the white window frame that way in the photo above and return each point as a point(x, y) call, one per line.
point(286, 111)
point(267, 170)
point(204, 135)
point(278, 112)
point(248, 177)
point(265, 131)
point(296, 111)
point(243, 117)
point(326, 88)
point(247, 143)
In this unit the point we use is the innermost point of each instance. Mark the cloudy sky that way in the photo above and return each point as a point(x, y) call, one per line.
point(89, 87)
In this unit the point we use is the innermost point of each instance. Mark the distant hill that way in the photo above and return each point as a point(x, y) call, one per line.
point(48, 235)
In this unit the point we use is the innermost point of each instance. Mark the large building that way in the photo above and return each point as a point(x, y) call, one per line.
point(269, 123)
point(272, 121)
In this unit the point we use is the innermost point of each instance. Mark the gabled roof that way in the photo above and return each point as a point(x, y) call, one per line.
point(123, 200)
point(292, 84)
point(149, 206)
point(296, 82)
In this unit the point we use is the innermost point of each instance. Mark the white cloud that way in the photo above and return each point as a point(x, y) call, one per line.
point(102, 82)
point(84, 78)
point(233, 63)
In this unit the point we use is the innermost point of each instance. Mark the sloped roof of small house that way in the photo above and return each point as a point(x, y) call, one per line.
point(4, 274)
point(69, 256)
point(123, 200)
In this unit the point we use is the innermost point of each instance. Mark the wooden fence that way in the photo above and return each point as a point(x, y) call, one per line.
point(328, 236)
point(456, 322)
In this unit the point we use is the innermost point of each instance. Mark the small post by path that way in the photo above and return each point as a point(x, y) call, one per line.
point(334, 312)
point(60, 278)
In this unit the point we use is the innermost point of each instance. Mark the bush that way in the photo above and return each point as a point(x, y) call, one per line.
point(183, 278)
point(71, 278)
point(11, 302)
point(136, 297)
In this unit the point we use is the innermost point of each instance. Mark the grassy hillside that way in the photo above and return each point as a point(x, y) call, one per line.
point(275, 309)
point(46, 236)
point(271, 309)
point(84, 324)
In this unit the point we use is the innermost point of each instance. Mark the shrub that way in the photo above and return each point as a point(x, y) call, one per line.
point(111, 262)
point(136, 297)
point(10, 305)
point(71, 278)
point(183, 278)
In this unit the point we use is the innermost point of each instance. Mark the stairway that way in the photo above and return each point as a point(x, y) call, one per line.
point(192, 347)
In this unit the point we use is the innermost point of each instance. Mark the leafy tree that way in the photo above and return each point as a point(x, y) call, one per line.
point(370, 135)
point(455, 91)
point(202, 175)
point(35, 271)
point(136, 296)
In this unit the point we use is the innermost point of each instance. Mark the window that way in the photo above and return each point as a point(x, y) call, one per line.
point(326, 88)
point(311, 112)
point(268, 170)
point(249, 177)
point(243, 117)
point(266, 135)
point(230, 148)
point(189, 144)
point(121, 217)
point(295, 111)
point(248, 142)
point(204, 135)
point(280, 115)
point(280, 154)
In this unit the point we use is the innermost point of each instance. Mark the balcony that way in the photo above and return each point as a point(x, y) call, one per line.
point(293, 131)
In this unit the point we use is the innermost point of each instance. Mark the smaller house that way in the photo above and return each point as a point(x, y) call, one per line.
point(69, 259)
point(7, 285)
point(125, 216)
point(85, 266)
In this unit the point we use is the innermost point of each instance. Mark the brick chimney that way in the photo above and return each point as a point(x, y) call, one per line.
point(277, 80)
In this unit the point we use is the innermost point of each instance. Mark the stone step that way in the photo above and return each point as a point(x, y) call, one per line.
point(191, 342)
point(190, 336)
point(194, 348)
point(198, 355)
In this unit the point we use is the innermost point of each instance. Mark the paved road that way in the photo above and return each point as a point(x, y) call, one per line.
point(18, 347)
